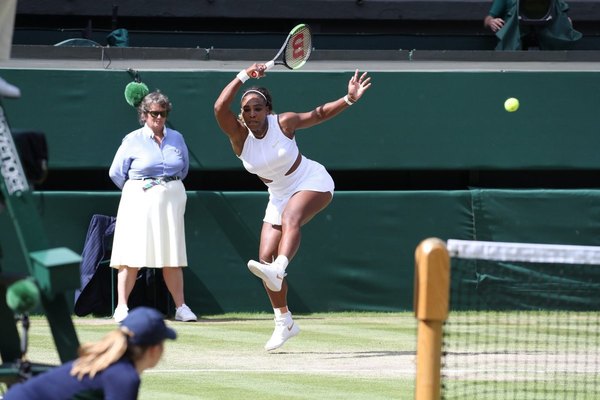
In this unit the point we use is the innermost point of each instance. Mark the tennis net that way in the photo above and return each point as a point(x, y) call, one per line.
point(523, 322)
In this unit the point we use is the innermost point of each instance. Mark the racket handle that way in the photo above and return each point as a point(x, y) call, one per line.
point(268, 65)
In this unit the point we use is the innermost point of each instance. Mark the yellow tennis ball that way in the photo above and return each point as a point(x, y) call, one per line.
point(511, 104)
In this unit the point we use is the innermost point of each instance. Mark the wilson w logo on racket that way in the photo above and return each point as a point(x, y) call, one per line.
point(295, 50)
point(297, 47)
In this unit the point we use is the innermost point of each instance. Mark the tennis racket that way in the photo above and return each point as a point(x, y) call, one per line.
point(295, 50)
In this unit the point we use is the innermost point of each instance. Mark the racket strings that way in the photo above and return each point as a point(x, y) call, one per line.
point(298, 48)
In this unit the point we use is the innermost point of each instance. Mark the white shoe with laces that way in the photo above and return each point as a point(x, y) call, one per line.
point(184, 314)
point(285, 328)
point(120, 314)
point(271, 274)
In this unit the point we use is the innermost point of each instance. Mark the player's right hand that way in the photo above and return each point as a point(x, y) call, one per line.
point(257, 71)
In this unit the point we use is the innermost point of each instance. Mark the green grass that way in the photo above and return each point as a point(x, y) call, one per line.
point(349, 356)
point(363, 356)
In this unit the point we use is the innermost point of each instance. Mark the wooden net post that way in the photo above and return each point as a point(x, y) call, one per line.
point(431, 298)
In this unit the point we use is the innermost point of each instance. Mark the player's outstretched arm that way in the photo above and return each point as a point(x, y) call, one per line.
point(357, 86)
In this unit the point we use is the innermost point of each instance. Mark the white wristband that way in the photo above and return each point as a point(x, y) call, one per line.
point(243, 76)
point(347, 100)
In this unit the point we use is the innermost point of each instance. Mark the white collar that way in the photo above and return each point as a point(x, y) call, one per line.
point(150, 133)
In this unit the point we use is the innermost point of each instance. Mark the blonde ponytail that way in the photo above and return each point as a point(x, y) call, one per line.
point(97, 356)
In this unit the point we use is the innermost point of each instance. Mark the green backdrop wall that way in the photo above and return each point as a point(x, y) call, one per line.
point(407, 120)
point(358, 253)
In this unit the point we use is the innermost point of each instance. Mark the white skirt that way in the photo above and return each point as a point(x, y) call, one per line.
point(150, 230)
point(310, 175)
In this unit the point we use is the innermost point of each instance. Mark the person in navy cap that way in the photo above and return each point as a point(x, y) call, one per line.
point(110, 368)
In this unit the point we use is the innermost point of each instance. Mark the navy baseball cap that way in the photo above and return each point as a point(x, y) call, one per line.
point(147, 326)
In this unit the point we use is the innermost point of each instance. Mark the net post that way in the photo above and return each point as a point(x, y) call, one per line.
point(431, 298)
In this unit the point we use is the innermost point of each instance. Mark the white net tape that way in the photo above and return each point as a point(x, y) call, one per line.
point(524, 252)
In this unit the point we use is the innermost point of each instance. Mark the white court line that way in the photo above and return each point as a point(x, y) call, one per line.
point(178, 371)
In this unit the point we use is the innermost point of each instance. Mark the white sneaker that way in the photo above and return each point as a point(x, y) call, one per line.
point(184, 314)
point(269, 273)
point(8, 90)
point(120, 314)
point(285, 328)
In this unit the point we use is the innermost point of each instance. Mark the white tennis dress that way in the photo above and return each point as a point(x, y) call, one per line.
point(270, 157)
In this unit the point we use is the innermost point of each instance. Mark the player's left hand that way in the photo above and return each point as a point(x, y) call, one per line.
point(358, 85)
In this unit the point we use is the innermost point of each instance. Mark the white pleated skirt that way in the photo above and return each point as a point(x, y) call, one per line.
point(150, 229)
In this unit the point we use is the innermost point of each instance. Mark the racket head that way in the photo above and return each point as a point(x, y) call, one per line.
point(298, 47)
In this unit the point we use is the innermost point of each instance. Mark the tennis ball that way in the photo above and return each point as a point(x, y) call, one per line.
point(511, 104)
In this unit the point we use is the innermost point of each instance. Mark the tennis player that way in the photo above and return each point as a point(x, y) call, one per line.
point(298, 187)
point(110, 368)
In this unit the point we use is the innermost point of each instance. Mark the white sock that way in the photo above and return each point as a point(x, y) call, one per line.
point(280, 315)
point(282, 261)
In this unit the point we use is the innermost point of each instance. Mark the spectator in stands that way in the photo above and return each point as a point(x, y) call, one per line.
point(112, 366)
point(517, 28)
point(149, 167)
point(298, 188)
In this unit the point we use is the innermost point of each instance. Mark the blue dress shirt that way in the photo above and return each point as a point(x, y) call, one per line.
point(139, 156)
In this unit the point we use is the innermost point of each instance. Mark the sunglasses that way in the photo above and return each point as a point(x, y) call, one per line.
point(155, 114)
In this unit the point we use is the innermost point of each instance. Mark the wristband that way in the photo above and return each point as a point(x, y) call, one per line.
point(347, 100)
point(243, 76)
